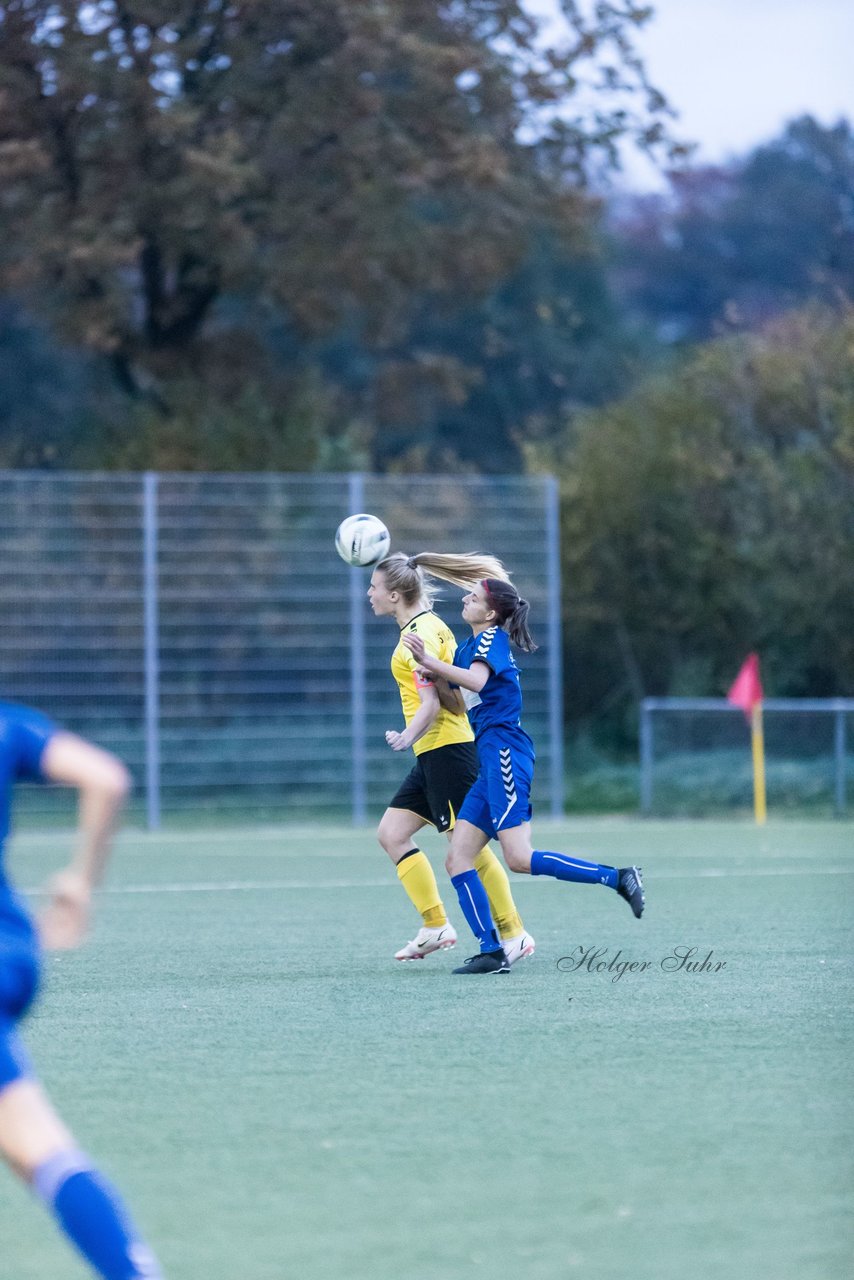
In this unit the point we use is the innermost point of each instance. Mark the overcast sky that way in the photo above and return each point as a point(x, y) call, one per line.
point(737, 70)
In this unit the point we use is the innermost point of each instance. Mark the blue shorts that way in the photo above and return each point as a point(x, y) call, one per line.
point(501, 797)
point(19, 982)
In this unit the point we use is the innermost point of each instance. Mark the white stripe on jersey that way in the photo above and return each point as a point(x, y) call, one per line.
point(508, 781)
point(484, 643)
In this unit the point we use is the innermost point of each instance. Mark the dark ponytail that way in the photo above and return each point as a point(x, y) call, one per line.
point(512, 611)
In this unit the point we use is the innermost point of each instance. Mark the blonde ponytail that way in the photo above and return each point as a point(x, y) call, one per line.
point(410, 575)
point(464, 570)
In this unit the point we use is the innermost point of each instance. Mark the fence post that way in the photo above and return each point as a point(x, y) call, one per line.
point(151, 649)
point(646, 757)
point(555, 642)
point(839, 756)
point(358, 716)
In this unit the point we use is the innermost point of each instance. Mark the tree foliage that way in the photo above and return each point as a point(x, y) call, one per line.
point(331, 158)
point(729, 247)
point(475, 378)
point(711, 512)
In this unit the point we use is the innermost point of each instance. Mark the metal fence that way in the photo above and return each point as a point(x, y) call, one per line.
point(695, 754)
point(203, 628)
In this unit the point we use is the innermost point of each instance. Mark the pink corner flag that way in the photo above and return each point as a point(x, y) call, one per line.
point(746, 690)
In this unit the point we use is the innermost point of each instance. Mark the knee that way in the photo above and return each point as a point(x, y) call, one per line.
point(454, 864)
point(382, 839)
point(517, 861)
point(386, 837)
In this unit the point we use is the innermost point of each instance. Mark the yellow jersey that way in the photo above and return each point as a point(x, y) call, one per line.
point(439, 640)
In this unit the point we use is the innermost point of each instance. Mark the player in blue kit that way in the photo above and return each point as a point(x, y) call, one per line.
point(498, 804)
point(446, 762)
point(33, 1140)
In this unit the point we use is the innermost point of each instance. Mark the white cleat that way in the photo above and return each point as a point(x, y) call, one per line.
point(518, 948)
point(428, 941)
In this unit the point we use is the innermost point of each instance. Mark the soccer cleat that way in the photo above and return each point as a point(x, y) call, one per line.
point(518, 948)
point(427, 941)
point(486, 962)
point(630, 887)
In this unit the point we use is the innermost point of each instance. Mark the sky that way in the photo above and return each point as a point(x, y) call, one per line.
point(738, 70)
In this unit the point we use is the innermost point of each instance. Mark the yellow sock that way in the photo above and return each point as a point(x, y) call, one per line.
point(508, 922)
point(416, 876)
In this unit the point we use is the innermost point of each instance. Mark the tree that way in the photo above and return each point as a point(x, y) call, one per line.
point(43, 388)
point(711, 512)
point(332, 158)
point(508, 367)
point(732, 246)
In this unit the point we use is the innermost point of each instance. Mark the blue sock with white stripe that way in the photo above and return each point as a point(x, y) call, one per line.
point(475, 907)
point(93, 1217)
point(562, 867)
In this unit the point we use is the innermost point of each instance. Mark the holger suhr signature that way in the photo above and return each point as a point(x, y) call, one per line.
point(678, 960)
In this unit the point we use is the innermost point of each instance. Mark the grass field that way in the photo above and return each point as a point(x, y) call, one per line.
point(279, 1099)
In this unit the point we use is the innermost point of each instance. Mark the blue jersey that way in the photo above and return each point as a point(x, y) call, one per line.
point(497, 709)
point(24, 734)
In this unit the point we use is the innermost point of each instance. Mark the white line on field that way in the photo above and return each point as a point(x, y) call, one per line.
point(233, 886)
point(219, 835)
point(164, 847)
point(147, 842)
point(238, 886)
point(761, 871)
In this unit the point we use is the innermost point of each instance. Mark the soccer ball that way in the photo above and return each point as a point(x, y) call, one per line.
point(362, 540)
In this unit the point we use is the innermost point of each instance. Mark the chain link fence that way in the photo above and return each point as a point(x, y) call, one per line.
point(203, 628)
point(695, 756)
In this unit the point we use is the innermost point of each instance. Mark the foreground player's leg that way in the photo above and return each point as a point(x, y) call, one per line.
point(419, 880)
point(436, 933)
point(521, 857)
point(90, 1212)
point(87, 1208)
point(495, 881)
point(563, 867)
point(627, 881)
point(474, 905)
point(466, 844)
point(517, 944)
point(414, 872)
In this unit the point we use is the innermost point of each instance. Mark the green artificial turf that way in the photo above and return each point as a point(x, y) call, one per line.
point(278, 1098)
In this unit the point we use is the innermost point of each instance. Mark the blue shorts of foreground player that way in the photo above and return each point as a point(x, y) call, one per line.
point(19, 982)
point(501, 796)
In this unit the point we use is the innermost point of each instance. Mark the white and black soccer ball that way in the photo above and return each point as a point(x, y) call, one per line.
point(362, 540)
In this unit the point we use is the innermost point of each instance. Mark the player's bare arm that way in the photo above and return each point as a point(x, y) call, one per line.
point(103, 783)
point(451, 699)
point(419, 724)
point(473, 677)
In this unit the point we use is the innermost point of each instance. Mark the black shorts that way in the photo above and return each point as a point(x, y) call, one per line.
point(438, 784)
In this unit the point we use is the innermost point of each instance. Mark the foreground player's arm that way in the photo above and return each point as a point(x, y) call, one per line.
point(103, 783)
point(419, 724)
point(473, 677)
point(451, 699)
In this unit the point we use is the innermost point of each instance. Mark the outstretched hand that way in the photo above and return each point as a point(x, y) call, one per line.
point(427, 661)
point(64, 922)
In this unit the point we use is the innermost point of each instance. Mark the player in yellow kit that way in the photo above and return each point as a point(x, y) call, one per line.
point(446, 762)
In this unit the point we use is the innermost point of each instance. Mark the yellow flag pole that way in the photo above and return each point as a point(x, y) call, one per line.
point(758, 744)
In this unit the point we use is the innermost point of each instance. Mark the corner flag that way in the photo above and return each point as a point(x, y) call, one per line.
point(746, 692)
